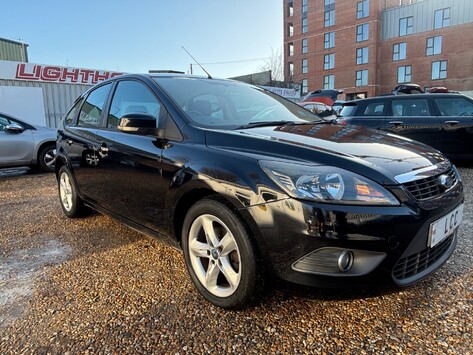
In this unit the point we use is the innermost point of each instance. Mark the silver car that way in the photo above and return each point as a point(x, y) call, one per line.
point(25, 144)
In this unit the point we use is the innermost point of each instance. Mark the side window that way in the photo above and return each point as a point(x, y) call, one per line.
point(72, 113)
point(455, 106)
point(374, 109)
point(3, 122)
point(419, 107)
point(132, 97)
point(91, 111)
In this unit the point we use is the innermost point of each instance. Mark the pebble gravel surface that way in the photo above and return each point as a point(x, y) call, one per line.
point(94, 286)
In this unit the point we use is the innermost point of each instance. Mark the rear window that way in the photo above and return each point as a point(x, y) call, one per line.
point(348, 110)
point(374, 109)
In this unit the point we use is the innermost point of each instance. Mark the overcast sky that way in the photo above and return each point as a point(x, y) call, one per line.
point(136, 36)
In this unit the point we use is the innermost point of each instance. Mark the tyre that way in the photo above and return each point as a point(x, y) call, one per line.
point(220, 255)
point(71, 203)
point(46, 158)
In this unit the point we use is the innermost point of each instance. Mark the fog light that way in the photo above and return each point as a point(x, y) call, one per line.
point(345, 261)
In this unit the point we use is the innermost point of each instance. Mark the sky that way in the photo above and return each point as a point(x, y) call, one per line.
point(229, 38)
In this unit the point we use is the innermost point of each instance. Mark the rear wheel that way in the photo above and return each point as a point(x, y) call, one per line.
point(46, 158)
point(71, 203)
point(220, 255)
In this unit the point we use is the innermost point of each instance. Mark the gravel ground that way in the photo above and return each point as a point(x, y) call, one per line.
point(94, 286)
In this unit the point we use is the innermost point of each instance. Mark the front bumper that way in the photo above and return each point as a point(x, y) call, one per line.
point(304, 241)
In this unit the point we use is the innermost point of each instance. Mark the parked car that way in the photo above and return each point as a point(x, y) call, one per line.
point(444, 121)
point(320, 109)
point(253, 187)
point(326, 96)
point(25, 144)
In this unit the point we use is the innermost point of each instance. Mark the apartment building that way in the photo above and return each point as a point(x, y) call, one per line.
point(368, 47)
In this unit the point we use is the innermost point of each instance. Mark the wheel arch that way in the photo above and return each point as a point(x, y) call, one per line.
point(192, 197)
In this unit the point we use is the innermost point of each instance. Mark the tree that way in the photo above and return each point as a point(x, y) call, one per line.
point(275, 64)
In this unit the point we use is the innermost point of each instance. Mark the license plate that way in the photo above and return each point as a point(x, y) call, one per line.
point(445, 226)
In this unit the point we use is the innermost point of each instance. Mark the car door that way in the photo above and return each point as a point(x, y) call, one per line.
point(79, 139)
point(414, 117)
point(456, 115)
point(129, 169)
point(16, 147)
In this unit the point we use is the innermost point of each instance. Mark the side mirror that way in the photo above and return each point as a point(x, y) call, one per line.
point(139, 123)
point(14, 128)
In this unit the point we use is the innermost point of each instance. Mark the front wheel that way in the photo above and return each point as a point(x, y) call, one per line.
point(220, 255)
point(46, 158)
point(71, 203)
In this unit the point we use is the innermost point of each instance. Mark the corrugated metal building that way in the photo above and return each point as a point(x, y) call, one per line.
point(13, 50)
point(60, 86)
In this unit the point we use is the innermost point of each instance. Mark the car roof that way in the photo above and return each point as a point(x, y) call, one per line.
point(405, 97)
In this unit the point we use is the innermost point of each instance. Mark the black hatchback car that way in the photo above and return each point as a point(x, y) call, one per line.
point(443, 121)
point(253, 187)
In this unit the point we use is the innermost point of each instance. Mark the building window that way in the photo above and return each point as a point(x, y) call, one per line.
point(442, 18)
point(362, 77)
point(399, 51)
point(329, 2)
point(363, 9)
point(305, 68)
point(304, 6)
point(329, 40)
point(290, 8)
point(329, 17)
point(439, 70)
point(304, 87)
point(329, 61)
point(305, 46)
point(329, 81)
point(434, 45)
point(362, 55)
point(291, 70)
point(290, 49)
point(304, 25)
point(404, 74)
point(362, 32)
point(406, 26)
point(290, 30)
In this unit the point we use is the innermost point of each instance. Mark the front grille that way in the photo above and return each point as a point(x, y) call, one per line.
point(413, 264)
point(429, 187)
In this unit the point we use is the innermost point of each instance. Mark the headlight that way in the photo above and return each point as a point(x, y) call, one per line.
point(327, 184)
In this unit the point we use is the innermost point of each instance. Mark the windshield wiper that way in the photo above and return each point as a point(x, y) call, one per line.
point(281, 123)
point(266, 123)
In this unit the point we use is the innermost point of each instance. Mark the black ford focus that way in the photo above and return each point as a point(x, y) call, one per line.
point(253, 187)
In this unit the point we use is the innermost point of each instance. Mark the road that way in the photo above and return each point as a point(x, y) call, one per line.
point(95, 286)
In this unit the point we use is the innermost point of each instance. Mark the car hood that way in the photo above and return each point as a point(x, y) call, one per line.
point(378, 155)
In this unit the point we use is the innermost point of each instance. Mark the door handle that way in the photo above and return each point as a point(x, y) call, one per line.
point(452, 123)
point(396, 123)
point(104, 149)
point(69, 141)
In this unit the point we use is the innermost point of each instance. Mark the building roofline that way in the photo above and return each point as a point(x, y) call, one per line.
point(13, 41)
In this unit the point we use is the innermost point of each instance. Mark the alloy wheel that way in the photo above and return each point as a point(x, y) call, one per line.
point(65, 191)
point(214, 255)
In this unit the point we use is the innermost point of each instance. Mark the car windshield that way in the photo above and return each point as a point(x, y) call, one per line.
point(230, 105)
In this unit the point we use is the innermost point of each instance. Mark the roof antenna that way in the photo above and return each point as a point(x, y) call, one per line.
point(206, 72)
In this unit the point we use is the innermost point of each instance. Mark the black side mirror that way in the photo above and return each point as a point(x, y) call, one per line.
point(139, 123)
point(14, 128)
